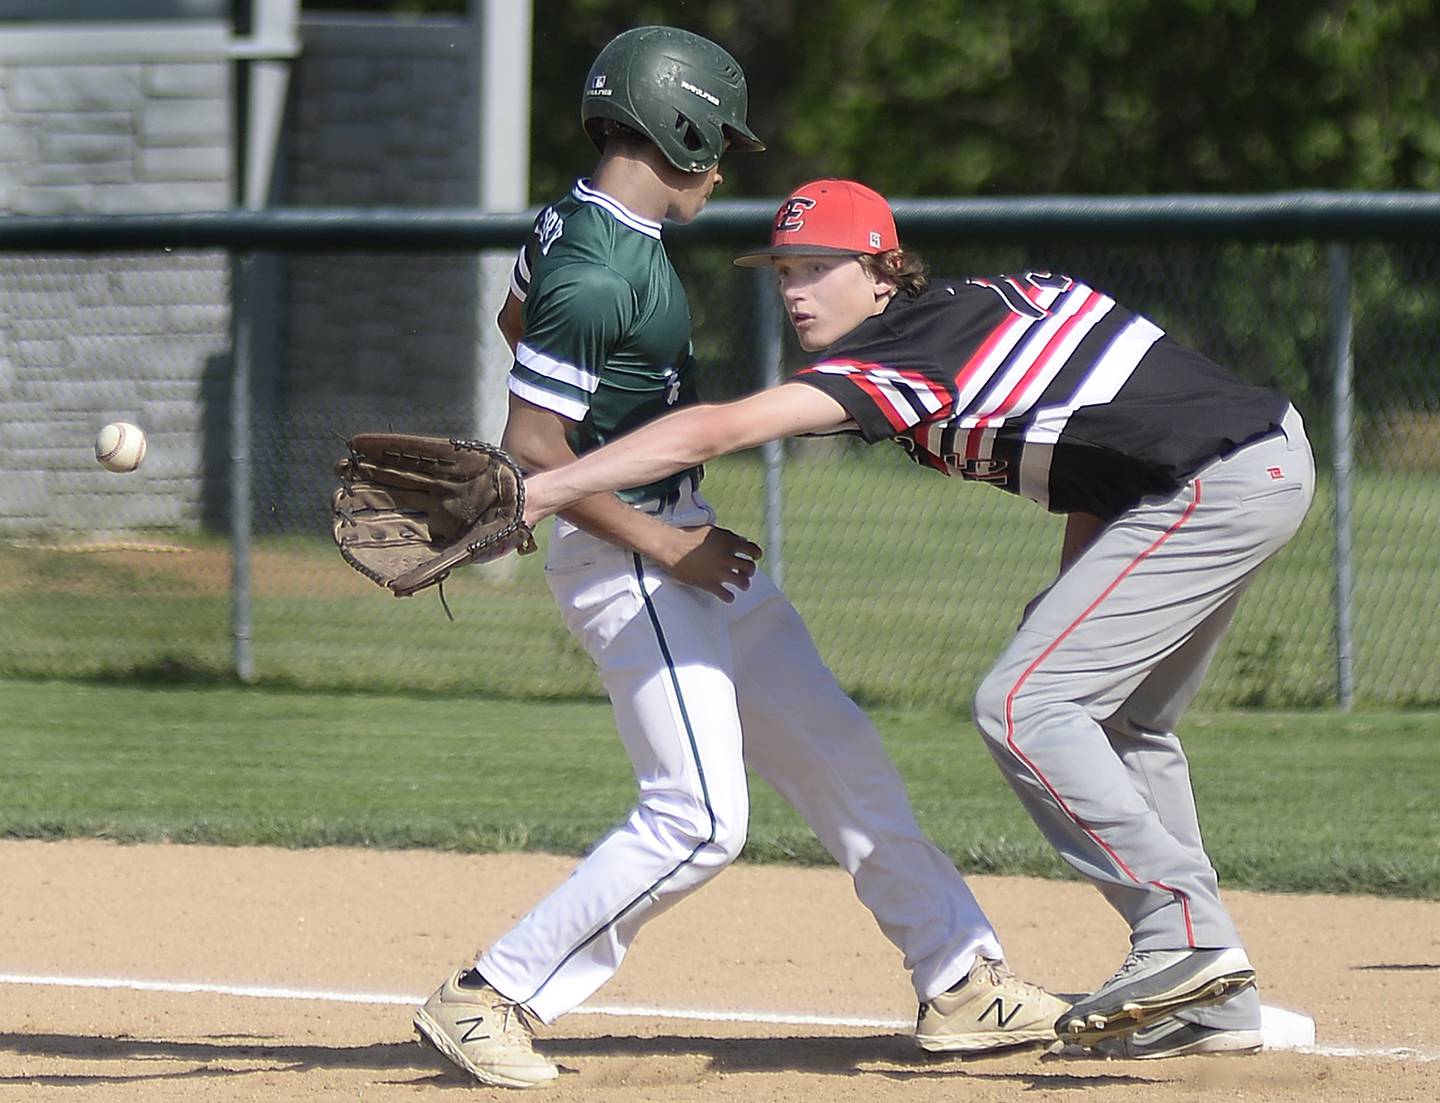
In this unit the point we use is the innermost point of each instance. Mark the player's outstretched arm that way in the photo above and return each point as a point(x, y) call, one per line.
point(708, 557)
point(683, 439)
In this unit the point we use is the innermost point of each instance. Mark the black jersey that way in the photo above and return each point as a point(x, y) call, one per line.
point(1044, 387)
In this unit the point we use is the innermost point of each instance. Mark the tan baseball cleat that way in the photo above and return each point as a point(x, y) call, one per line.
point(990, 1009)
point(480, 1031)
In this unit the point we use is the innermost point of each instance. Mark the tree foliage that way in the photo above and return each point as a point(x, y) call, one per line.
point(951, 97)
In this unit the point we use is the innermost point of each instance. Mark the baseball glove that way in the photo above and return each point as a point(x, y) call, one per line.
point(411, 509)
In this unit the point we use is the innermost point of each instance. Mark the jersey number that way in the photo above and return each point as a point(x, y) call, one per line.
point(1029, 295)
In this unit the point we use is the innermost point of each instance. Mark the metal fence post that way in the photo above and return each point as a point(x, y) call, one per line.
point(266, 39)
point(767, 340)
point(242, 321)
point(1343, 364)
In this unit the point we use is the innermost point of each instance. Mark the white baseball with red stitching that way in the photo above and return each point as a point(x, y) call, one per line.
point(120, 447)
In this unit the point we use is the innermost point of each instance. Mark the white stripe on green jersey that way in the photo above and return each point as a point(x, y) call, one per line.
point(552, 383)
point(606, 322)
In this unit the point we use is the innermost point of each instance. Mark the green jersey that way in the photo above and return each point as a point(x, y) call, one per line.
point(607, 324)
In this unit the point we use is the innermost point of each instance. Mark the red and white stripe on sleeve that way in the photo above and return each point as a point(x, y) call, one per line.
point(905, 398)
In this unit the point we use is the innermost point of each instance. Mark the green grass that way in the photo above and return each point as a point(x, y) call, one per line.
point(1290, 801)
point(911, 584)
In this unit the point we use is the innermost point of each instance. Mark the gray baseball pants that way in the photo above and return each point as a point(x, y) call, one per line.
point(1081, 708)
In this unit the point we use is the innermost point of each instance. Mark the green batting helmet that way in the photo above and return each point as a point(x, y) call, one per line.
point(681, 91)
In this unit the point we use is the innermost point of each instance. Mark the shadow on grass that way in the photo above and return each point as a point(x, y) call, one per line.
point(167, 670)
point(180, 671)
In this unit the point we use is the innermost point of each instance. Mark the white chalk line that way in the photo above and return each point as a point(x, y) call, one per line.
point(1403, 1053)
point(389, 998)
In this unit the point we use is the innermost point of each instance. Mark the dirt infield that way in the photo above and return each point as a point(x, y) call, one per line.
point(305, 931)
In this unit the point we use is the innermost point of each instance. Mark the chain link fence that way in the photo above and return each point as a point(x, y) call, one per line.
point(910, 582)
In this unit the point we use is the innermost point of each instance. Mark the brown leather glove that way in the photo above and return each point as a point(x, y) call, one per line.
point(411, 509)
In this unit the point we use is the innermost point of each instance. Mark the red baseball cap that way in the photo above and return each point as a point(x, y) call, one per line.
point(827, 217)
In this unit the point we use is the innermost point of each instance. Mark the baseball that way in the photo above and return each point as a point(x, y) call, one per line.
point(120, 446)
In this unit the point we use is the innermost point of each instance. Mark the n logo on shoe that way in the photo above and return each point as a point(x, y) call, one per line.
point(1002, 1020)
point(471, 1031)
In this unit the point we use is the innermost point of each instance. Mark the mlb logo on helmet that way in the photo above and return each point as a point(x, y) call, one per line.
point(826, 217)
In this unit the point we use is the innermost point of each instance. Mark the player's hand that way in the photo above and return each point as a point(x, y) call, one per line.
point(714, 559)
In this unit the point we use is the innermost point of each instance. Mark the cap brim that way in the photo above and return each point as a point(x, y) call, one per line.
point(766, 256)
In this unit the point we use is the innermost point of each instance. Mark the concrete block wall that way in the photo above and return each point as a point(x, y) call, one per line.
point(137, 120)
point(381, 128)
point(373, 340)
point(91, 340)
point(124, 121)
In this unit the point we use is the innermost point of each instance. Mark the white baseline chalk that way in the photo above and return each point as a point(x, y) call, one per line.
point(1281, 1029)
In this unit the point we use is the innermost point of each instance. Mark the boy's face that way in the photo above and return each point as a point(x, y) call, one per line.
point(691, 192)
point(828, 296)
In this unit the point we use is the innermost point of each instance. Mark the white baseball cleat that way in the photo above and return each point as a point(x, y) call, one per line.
point(1178, 1038)
point(483, 1033)
point(990, 1009)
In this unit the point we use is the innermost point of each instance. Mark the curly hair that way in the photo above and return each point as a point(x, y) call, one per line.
point(903, 267)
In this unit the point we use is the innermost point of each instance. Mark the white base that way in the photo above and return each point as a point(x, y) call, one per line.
point(1283, 1029)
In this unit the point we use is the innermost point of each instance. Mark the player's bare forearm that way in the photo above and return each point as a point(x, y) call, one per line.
point(538, 441)
point(662, 449)
point(605, 516)
point(683, 439)
point(708, 557)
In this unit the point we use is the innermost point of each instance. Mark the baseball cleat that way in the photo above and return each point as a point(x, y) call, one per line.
point(1154, 984)
point(990, 1009)
point(483, 1033)
point(1177, 1038)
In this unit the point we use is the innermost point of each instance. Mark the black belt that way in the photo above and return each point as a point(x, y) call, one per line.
point(1226, 453)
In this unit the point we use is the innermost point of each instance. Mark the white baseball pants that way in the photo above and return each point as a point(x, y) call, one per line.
point(700, 688)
